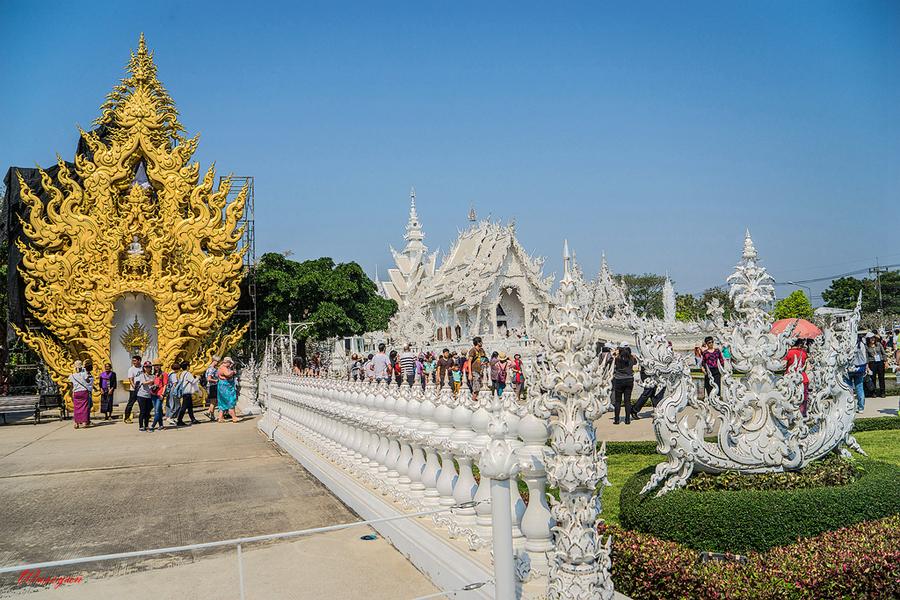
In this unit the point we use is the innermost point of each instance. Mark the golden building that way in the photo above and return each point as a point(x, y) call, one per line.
point(131, 219)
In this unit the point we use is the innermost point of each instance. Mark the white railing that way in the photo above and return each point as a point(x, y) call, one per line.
point(418, 450)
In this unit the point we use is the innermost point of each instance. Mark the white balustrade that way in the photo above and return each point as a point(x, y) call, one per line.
point(418, 448)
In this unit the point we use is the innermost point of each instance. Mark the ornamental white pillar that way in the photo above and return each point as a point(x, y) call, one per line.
point(498, 462)
point(574, 388)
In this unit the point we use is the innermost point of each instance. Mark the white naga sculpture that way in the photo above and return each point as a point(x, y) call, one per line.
point(760, 424)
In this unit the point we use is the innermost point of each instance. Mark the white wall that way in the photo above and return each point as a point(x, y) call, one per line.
point(126, 308)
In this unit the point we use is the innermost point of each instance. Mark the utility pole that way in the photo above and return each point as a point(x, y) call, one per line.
point(877, 270)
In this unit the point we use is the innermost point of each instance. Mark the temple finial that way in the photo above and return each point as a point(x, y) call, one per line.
point(142, 44)
point(414, 234)
point(749, 249)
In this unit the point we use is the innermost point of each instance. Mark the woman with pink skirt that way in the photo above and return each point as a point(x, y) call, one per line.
point(82, 385)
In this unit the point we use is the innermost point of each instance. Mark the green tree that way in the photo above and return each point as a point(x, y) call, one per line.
point(646, 293)
point(688, 307)
point(842, 293)
point(795, 306)
point(721, 293)
point(334, 300)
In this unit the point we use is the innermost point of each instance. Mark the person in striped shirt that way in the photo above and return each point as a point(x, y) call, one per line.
point(407, 361)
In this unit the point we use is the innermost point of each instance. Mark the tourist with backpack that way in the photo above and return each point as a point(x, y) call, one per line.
point(502, 371)
point(173, 393)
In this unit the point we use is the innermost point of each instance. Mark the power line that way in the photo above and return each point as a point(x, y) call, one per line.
point(832, 277)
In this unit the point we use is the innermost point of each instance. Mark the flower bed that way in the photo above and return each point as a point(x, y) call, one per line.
point(861, 561)
point(748, 519)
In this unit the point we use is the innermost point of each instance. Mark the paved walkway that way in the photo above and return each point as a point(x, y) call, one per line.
point(67, 493)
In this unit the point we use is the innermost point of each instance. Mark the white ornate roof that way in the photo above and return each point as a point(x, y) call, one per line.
point(481, 253)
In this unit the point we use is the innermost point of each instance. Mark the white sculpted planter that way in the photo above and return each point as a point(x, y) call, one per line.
point(760, 424)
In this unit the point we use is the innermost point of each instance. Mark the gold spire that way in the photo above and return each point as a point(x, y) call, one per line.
point(140, 101)
point(101, 235)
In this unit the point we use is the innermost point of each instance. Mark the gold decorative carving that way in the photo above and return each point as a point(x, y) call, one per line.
point(136, 338)
point(106, 232)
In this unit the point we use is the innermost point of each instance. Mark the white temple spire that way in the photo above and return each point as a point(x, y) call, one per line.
point(668, 296)
point(414, 234)
point(749, 249)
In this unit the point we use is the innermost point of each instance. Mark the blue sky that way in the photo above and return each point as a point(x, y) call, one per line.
point(656, 131)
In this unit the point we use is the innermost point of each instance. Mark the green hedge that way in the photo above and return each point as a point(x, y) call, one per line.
point(630, 448)
point(876, 424)
point(744, 520)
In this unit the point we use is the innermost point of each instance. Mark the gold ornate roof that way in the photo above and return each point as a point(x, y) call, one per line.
point(133, 217)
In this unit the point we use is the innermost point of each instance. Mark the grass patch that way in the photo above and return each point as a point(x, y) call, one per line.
point(881, 445)
point(621, 468)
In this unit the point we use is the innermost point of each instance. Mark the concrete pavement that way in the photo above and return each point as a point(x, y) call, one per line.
point(68, 493)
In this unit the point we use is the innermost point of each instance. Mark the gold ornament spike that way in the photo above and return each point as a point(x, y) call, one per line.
point(104, 233)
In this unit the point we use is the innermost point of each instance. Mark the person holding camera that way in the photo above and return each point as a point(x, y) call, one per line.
point(623, 381)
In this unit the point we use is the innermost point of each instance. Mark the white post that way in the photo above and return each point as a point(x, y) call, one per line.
point(498, 462)
point(504, 565)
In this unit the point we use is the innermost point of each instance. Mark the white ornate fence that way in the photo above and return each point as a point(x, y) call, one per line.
point(387, 450)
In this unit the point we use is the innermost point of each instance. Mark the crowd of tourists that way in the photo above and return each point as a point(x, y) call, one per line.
point(479, 371)
point(474, 369)
point(164, 397)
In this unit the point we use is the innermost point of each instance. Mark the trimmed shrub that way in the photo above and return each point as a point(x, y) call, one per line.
point(862, 561)
point(743, 520)
point(630, 447)
point(831, 470)
point(876, 424)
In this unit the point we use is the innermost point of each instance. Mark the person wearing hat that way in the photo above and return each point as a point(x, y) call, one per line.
point(227, 393)
point(143, 384)
point(502, 372)
point(158, 389)
point(82, 384)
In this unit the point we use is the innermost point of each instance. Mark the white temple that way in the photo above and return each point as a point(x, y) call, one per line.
point(487, 285)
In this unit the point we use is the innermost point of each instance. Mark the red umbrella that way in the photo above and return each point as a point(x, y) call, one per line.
point(802, 328)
